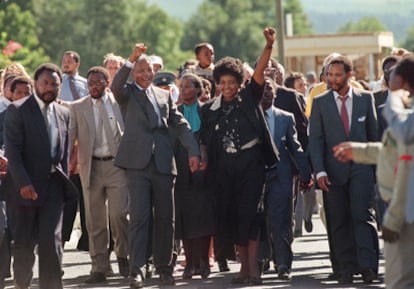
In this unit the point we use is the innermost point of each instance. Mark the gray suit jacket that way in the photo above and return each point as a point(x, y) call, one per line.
point(83, 129)
point(28, 149)
point(326, 131)
point(290, 149)
point(139, 141)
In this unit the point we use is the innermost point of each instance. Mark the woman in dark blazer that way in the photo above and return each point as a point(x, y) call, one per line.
point(232, 135)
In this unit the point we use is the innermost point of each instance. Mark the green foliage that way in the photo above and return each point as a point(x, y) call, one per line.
point(235, 27)
point(20, 26)
point(409, 40)
point(301, 24)
point(365, 24)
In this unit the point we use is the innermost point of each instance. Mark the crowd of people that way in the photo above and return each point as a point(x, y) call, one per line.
point(217, 159)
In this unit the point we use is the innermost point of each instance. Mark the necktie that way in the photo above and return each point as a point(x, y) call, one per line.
point(344, 114)
point(104, 127)
point(72, 86)
point(52, 132)
point(151, 114)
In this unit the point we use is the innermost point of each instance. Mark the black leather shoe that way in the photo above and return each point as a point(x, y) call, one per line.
point(308, 226)
point(96, 277)
point(167, 279)
point(346, 278)
point(223, 267)
point(137, 282)
point(334, 276)
point(368, 275)
point(283, 272)
point(123, 266)
point(188, 272)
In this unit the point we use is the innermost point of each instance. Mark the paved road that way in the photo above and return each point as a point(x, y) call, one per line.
point(310, 269)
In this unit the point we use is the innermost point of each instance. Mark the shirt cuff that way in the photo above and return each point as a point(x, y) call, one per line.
point(320, 175)
point(129, 64)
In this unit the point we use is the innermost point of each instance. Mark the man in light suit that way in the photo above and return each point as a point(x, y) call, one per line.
point(342, 114)
point(279, 180)
point(37, 147)
point(147, 155)
point(104, 185)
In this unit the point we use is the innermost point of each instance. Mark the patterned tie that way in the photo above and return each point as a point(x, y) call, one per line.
point(344, 114)
point(72, 86)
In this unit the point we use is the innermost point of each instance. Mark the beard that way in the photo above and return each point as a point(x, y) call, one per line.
point(47, 97)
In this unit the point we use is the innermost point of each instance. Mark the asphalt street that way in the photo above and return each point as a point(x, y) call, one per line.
point(311, 267)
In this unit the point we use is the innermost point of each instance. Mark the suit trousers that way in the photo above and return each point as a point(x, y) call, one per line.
point(279, 209)
point(151, 192)
point(42, 226)
point(399, 261)
point(351, 224)
point(107, 195)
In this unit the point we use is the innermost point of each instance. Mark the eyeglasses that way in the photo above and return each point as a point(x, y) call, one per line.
point(97, 83)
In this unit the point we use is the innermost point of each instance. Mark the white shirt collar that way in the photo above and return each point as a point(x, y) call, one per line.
point(104, 99)
point(349, 93)
point(41, 103)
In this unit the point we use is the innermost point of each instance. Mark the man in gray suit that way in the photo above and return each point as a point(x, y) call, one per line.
point(147, 155)
point(37, 147)
point(98, 126)
point(342, 114)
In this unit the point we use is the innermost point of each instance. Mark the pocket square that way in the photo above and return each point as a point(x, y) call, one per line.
point(361, 119)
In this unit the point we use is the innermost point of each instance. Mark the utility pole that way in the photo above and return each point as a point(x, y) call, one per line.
point(280, 32)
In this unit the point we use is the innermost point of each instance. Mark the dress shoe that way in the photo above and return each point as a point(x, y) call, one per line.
point(334, 276)
point(123, 266)
point(283, 272)
point(223, 267)
point(308, 226)
point(188, 272)
point(368, 275)
point(204, 270)
point(167, 279)
point(137, 282)
point(346, 278)
point(96, 277)
point(255, 281)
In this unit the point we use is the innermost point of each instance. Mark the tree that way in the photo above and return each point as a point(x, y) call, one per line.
point(365, 24)
point(234, 26)
point(409, 40)
point(301, 24)
point(96, 27)
point(20, 26)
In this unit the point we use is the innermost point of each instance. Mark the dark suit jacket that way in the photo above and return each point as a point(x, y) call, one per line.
point(326, 131)
point(292, 101)
point(380, 97)
point(290, 150)
point(28, 150)
point(139, 142)
point(248, 102)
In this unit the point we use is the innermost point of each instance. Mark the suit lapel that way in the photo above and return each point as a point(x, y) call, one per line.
point(40, 121)
point(356, 97)
point(89, 117)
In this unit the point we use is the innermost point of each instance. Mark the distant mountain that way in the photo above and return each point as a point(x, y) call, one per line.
point(181, 9)
point(328, 16)
point(325, 16)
